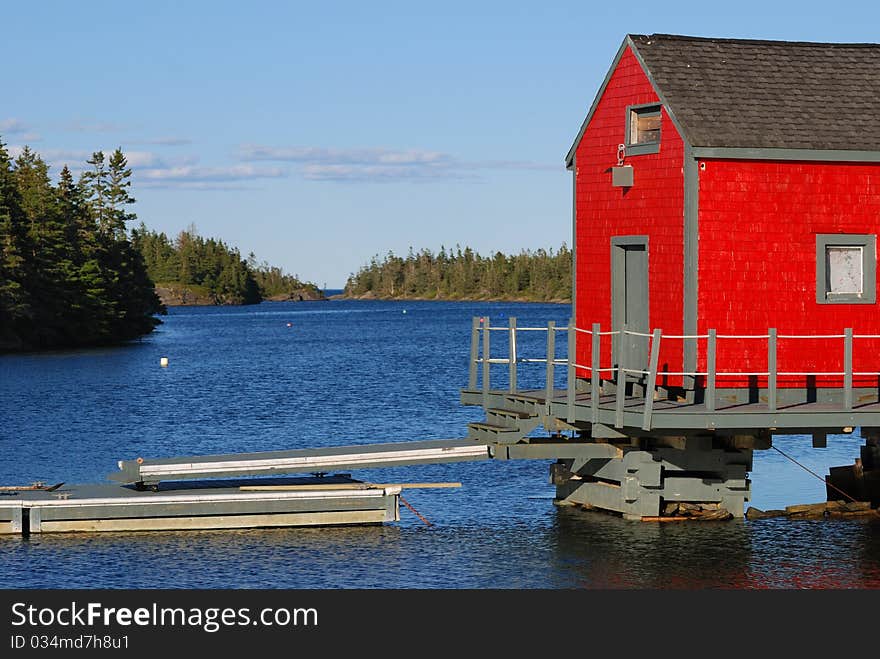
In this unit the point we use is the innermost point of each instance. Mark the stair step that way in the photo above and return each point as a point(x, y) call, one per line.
point(505, 412)
point(491, 427)
point(525, 399)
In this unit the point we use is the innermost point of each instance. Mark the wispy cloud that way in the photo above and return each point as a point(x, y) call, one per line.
point(154, 171)
point(78, 157)
point(378, 165)
point(190, 176)
point(166, 141)
point(53, 156)
point(12, 126)
point(89, 126)
point(322, 155)
point(363, 173)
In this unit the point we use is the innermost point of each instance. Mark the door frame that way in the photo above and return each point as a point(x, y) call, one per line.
point(618, 284)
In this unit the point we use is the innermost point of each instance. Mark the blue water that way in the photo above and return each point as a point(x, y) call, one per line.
point(241, 379)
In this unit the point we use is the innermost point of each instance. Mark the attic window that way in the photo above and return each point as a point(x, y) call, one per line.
point(846, 267)
point(643, 129)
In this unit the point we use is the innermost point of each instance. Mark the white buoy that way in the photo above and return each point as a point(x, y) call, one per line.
point(404, 311)
point(163, 362)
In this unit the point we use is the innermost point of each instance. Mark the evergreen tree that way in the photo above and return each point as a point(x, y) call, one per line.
point(118, 195)
point(463, 274)
point(15, 309)
point(212, 266)
point(69, 276)
point(50, 258)
point(95, 182)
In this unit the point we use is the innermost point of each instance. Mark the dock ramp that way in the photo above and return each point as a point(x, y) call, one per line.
point(147, 472)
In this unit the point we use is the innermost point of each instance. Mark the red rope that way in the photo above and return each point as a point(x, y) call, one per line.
point(831, 485)
point(416, 512)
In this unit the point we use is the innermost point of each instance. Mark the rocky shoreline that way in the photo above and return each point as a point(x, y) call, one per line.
point(476, 298)
point(178, 296)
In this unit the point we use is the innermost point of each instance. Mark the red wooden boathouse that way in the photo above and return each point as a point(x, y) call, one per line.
point(733, 185)
point(726, 211)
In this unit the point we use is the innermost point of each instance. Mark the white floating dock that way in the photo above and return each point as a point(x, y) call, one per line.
point(223, 505)
point(188, 493)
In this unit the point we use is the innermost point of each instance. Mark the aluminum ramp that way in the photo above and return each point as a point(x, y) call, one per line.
point(273, 463)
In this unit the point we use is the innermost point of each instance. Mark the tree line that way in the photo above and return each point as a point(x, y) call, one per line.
point(536, 275)
point(69, 275)
point(210, 267)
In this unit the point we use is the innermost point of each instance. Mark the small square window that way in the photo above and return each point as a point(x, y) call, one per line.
point(843, 270)
point(643, 129)
point(846, 266)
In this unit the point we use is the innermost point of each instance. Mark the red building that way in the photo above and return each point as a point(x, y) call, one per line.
point(733, 185)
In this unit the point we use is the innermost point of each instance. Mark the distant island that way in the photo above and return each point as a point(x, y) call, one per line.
point(530, 276)
point(192, 270)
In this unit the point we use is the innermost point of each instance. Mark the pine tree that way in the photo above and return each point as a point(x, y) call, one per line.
point(50, 257)
point(118, 195)
point(94, 183)
point(15, 308)
point(69, 276)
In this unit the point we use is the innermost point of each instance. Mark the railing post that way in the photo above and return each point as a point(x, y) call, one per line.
point(486, 360)
point(709, 398)
point(848, 368)
point(512, 354)
point(475, 347)
point(771, 369)
point(549, 387)
point(652, 380)
point(622, 350)
point(572, 375)
point(595, 373)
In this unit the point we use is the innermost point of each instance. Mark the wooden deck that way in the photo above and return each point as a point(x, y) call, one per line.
point(608, 396)
point(633, 412)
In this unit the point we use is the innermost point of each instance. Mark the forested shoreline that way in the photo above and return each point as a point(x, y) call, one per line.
point(69, 275)
point(532, 275)
point(72, 274)
point(192, 269)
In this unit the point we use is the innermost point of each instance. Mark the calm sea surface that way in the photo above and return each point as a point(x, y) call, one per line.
point(347, 372)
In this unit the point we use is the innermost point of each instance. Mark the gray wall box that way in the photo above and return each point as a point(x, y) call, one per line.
point(622, 177)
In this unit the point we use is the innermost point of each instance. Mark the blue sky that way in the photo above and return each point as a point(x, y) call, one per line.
point(317, 135)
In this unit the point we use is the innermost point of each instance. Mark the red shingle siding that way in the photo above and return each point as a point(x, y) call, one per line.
point(653, 206)
point(758, 222)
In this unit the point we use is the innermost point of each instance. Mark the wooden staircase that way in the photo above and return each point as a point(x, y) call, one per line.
point(509, 420)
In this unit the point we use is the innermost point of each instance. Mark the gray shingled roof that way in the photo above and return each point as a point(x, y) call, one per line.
point(768, 94)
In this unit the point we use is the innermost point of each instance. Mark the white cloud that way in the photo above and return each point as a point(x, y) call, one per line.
point(378, 165)
point(322, 155)
point(192, 185)
point(154, 171)
point(166, 141)
point(86, 126)
point(11, 125)
point(360, 173)
point(138, 159)
point(190, 173)
point(51, 156)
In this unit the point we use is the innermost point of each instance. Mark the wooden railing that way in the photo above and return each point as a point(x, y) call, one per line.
point(646, 374)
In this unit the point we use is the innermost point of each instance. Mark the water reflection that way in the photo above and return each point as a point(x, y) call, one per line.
point(598, 550)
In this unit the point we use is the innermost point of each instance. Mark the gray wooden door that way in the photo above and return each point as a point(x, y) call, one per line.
point(629, 296)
